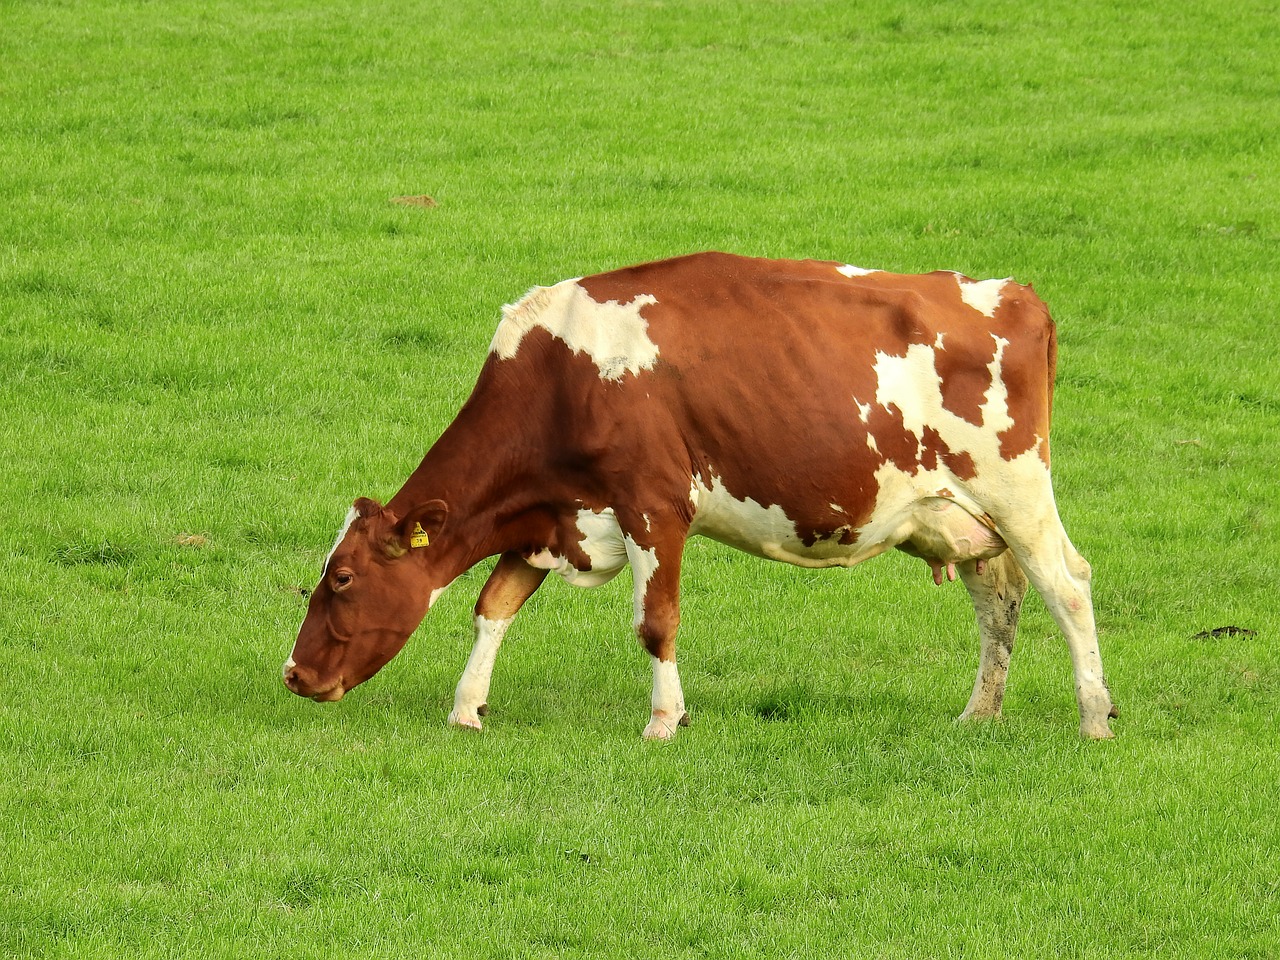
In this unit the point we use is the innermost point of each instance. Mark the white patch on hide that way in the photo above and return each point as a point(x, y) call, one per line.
point(743, 524)
point(850, 271)
point(614, 335)
point(912, 385)
point(644, 561)
point(602, 542)
point(764, 531)
point(352, 515)
point(1022, 489)
point(544, 559)
point(982, 295)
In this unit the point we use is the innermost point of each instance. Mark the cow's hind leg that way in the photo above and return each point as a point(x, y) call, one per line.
point(1062, 578)
point(512, 582)
point(656, 571)
point(997, 593)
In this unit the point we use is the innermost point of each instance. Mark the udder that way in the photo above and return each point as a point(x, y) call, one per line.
point(943, 533)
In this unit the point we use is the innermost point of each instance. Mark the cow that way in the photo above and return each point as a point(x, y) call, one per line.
point(810, 412)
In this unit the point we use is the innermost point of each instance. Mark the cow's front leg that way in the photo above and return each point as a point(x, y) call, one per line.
point(657, 617)
point(512, 582)
point(667, 710)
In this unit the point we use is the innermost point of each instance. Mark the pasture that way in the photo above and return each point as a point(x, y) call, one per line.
point(251, 256)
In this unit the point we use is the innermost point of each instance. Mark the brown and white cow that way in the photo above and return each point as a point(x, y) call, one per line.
point(809, 412)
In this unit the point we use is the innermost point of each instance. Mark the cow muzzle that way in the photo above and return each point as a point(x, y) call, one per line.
point(304, 683)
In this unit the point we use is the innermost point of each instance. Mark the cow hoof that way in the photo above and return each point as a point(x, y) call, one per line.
point(983, 715)
point(661, 727)
point(1097, 730)
point(462, 720)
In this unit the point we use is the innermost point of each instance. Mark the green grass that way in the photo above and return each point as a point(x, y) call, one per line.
point(216, 330)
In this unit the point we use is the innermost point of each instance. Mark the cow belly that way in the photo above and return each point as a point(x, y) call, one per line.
point(936, 528)
point(767, 531)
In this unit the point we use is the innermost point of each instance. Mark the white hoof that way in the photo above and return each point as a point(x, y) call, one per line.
point(978, 716)
point(661, 726)
point(1096, 730)
point(1095, 717)
point(466, 720)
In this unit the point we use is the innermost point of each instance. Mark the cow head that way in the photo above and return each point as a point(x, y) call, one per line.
point(376, 587)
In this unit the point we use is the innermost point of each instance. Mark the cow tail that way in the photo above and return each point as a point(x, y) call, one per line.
point(1051, 373)
point(1053, 361)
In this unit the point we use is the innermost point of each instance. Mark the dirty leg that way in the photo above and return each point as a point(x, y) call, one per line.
point(996, 588)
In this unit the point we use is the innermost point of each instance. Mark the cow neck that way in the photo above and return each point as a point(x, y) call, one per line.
point(480, 469)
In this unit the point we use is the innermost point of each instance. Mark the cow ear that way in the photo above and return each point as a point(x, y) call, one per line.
point(421, 526)
point(366, 508)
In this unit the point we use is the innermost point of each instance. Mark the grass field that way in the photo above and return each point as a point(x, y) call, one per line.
point(218, 329)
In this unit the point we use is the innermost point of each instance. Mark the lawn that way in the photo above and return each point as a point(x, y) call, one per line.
point(221, 321)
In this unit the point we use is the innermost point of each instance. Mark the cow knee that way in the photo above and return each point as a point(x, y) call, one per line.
point(657, 634)
point(1079, 567)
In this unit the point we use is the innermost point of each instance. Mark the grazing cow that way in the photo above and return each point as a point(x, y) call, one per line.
point(809, 412)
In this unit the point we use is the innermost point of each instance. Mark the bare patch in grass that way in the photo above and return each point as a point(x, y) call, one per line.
point(1217, 633)
point(421, 200)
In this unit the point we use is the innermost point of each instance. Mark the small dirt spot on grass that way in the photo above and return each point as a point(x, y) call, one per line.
point(421, 200)
point(1217, 633)
point(415, 339)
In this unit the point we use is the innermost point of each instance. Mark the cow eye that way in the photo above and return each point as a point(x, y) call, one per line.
point(343, 579)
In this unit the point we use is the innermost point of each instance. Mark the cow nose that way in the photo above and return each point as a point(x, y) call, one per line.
point(292, 678)
point(306, 682)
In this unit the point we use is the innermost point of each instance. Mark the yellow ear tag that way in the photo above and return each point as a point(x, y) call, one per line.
point(419, 536)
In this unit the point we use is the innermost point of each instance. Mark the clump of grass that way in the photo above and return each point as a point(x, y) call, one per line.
point(104, 553)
